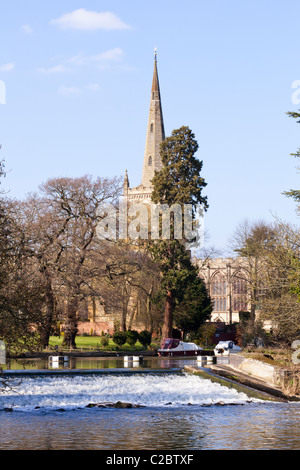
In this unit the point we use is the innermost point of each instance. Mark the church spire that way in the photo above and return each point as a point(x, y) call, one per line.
point(126, 184)
point(155, 132)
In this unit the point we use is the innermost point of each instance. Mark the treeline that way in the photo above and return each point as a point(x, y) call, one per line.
point(270, 268)
point(50, 258)
point(53, 265)
point(270, 256)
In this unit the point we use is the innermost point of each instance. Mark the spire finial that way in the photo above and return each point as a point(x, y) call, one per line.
point(155, 53)
point(126, 183)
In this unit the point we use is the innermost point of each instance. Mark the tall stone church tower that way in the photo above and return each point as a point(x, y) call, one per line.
point(155, 135)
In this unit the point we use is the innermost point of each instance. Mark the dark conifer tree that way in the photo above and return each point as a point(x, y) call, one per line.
point(178, 182)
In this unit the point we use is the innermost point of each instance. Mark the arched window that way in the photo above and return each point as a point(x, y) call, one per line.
point(239, 292)
point(150, 161)
point(218, 292)
point(151, 127)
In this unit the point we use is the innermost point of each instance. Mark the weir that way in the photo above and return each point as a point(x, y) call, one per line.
point(162, 388)
point(59, 368)
point(79, 372)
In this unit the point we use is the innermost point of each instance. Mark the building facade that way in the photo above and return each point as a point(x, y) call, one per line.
point(226, 280)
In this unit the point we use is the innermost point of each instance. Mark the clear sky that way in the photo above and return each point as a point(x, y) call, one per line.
point(77, 77)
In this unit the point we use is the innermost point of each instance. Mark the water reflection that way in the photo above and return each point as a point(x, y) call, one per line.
point(253, 426)
point(91, 363)
point(243, 426)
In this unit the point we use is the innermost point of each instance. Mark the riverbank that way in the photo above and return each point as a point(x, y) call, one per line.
point(234, 380)
point(256, 378)
point(78, 353)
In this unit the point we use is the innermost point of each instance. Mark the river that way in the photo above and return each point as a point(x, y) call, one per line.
point(176, 411)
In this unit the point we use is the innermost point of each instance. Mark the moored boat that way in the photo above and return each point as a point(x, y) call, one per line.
point(224, 348)
point(176, 347)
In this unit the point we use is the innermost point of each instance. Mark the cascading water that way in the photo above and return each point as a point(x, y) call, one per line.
point(165, 422)
point(150, 390)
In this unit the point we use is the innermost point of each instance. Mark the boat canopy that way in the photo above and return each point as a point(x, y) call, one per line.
point(172, 343)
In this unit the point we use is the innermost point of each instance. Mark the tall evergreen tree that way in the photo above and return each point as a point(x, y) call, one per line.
point(178, 182)
point(194, 309)
point(294, 193)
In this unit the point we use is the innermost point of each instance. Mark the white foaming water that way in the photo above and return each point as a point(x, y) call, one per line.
point(149, 390)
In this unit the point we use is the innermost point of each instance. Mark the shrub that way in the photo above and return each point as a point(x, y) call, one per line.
point(119, 338)
point(132, 337)
point(145, 338)
point(104, 341)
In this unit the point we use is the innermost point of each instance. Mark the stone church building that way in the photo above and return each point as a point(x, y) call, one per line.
point(225, 278)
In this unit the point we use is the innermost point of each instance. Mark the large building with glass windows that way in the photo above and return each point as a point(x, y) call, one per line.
point(226, 280)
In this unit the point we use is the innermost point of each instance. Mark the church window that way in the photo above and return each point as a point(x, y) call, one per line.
point(151, 127)
point(239, 290)
point(218, 293)
point(150, 161)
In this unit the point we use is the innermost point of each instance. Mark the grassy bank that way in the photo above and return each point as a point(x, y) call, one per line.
point(93, 343)
point(281, 357)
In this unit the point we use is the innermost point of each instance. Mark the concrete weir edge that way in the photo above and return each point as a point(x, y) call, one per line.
point(232, 378)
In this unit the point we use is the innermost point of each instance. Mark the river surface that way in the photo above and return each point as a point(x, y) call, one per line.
point(177, 411)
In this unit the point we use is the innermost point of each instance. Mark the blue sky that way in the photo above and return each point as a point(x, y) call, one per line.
point(78, 78)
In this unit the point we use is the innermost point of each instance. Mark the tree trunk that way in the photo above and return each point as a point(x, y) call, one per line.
point(71, 329)
point(253, 307)
point(148, 307)
point(123, 316)
point(47, 322)
point(132, 315)
point(125, 302)
point(45, 330)
point(168, 320)
point(149, 317)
